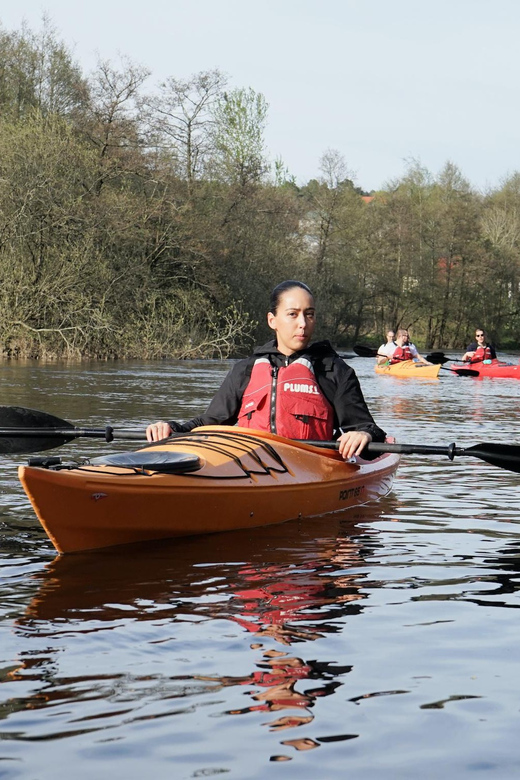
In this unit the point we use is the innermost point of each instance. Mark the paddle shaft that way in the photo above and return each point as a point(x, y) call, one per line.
point(440, 357)
point(29, 430)
point(504, 456)
point(403, 449)
point(108, 433)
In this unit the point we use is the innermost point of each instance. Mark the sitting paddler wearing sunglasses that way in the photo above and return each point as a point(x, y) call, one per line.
point(479, 350)
point(289, 386)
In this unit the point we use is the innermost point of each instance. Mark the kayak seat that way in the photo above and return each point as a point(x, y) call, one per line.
point(165, 462)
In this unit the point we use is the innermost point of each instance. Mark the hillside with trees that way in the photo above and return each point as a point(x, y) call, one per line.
point(139, 223)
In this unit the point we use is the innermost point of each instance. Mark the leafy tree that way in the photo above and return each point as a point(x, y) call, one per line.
point(37, 73)
point(240, 118)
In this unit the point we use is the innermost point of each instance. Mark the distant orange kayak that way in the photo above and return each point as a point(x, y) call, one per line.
point(408, 369)
point(216, 478)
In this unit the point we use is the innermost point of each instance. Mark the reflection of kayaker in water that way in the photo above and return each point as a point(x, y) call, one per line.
point(274, 687)
point(292, 606)
point(289, 608)
point(281, 589)
point(290, 386)
point(479, 350)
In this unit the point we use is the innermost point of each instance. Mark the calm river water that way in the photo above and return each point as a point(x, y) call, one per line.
point(382, 643)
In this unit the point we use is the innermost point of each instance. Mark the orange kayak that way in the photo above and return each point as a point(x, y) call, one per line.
point(215, 478)
point(408, 368)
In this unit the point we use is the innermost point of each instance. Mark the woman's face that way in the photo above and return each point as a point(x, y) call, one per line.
point(294, 320)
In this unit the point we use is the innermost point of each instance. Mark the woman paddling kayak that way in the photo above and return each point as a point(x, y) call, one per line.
point(289, 386)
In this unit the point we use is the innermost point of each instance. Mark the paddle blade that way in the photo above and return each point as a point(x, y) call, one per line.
point(504, 456)
point(437, 358)
point(18, 418)
point(463, 371)
point(363, 351)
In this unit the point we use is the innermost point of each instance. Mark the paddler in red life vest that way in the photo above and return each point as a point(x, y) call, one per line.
point(404, 350)
point(479, 350)
point(290, 386)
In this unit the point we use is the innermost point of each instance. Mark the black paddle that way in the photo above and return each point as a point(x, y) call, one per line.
point(505, 456)
point(52, 432)
point(364, 351)
point(461, 371)
point(28, 430)
point(439, 357)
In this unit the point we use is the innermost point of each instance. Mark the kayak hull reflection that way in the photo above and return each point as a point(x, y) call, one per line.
point(245, 479)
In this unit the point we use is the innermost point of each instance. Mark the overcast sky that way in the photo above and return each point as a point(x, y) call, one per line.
point(381, 81)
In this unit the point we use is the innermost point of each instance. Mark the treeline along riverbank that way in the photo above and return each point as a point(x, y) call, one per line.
point(148, 223)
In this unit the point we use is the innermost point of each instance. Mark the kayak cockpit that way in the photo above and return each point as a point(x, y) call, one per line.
point(162, 462)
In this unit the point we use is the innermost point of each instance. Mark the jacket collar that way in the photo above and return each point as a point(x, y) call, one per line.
point(319, 349)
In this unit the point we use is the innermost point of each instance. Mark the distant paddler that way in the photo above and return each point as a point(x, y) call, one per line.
point(386, 350)
point(479, 350)
point(403, 350)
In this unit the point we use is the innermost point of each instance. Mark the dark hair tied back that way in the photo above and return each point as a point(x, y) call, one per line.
point(282, 288)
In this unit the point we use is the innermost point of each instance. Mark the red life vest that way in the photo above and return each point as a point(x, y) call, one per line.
point(287, 401)
point(401, 353)
point(481, 353)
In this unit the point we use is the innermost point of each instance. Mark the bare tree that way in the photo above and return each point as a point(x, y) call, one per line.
point(112, 124)
point(180, 120)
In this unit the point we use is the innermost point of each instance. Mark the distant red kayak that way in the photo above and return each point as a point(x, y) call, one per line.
point(493, 368)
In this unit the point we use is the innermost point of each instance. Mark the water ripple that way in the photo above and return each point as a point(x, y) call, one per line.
point(353, 645)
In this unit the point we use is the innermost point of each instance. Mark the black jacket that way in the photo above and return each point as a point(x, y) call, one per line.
point(338, 382)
